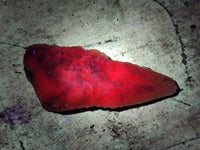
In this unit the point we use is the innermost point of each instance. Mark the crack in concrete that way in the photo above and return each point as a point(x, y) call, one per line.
point(22, 145)
point(181, 102)
point(184, 142)
point(114, 39)
point(177, 31)
point(14, 45)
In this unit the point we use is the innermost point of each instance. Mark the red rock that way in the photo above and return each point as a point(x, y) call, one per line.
point(67, 78)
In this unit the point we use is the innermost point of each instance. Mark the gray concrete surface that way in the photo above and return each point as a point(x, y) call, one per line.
point(160, 34)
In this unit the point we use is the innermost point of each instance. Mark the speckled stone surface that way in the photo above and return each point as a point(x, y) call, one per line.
point(162, 35)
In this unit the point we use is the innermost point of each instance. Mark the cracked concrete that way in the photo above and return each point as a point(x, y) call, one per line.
point(177, 31)
point(163, 35)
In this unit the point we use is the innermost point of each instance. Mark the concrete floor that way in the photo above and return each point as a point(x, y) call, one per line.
point(160, 34)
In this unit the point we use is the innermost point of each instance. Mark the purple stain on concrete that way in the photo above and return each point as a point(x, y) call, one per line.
point(16, 114)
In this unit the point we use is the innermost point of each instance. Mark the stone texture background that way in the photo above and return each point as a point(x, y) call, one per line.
point(163, 35)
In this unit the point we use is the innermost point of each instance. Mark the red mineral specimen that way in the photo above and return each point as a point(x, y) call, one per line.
point(67, 78)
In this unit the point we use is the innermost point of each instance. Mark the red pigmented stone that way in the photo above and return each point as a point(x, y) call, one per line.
point(67, 78)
